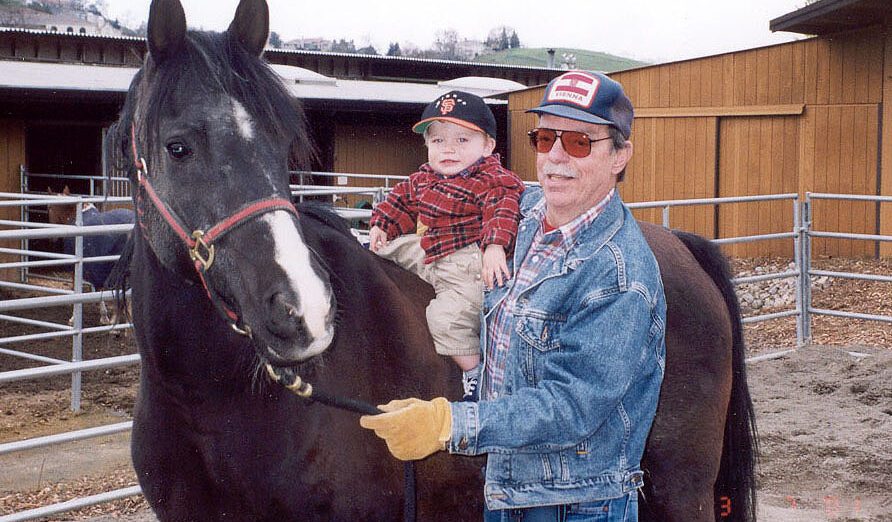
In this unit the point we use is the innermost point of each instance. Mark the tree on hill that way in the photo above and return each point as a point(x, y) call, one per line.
point(446, 44)
point(275, 41)
point(367, 50)
point(501, 38)
point(394, 49)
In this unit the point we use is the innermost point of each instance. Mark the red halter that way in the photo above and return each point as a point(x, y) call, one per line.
point(200, 243)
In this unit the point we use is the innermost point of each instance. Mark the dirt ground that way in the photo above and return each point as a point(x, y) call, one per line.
point(824, 414)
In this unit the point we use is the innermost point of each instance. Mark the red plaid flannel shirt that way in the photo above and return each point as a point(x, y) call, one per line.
point(478, 205)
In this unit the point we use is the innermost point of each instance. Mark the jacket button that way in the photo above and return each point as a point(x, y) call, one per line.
point(463, 444)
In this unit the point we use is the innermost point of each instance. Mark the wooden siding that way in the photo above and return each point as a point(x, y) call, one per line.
point(886, 140)
point(12, 155)
point(839, 155)
point(792, 118)
point(673, 158)
point(758, 155)
point(373, 149)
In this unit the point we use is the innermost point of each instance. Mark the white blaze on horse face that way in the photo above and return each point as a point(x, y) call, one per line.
point(293, 255)
point(243, 121)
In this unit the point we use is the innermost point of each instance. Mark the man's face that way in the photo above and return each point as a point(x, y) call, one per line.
point(574, 185)
point(452, 148)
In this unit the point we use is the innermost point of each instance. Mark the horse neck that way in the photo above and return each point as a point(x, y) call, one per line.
point(182, 339)
point(383, 348)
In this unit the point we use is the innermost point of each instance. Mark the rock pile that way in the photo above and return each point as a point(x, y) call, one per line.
point(772, 294)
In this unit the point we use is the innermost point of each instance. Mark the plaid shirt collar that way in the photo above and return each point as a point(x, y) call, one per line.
point(571, 230)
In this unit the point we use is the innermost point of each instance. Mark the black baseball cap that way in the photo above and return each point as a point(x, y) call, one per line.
point(460, 108)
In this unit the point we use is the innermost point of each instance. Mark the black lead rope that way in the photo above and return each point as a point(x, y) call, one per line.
point(290, 380)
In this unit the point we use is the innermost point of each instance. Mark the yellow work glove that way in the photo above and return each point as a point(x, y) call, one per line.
point(412, 428)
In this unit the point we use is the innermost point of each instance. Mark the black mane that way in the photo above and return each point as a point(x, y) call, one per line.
point(218, 59)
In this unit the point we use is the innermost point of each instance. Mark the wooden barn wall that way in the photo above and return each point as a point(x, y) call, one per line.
point(791, 118)
point(758, 155)
point(369, 148)
point(12, 155)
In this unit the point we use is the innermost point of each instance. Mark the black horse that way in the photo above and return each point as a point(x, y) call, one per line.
point(227, 278)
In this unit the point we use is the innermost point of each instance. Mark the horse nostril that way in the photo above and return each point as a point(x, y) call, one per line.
point(284, 317)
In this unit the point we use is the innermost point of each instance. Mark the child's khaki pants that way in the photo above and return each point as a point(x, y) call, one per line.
point(453, 316)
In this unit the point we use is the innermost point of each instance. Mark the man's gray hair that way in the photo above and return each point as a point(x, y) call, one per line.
point(618, 141)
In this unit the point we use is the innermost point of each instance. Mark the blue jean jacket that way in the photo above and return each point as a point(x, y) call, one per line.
point(583, 375)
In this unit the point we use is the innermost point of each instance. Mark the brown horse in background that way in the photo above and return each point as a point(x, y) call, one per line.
point(206, 131)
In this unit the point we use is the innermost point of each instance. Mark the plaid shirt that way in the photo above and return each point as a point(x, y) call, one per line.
point(544, 249)
point(478, 205)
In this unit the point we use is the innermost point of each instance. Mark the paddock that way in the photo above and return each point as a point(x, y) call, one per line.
point(47, 413)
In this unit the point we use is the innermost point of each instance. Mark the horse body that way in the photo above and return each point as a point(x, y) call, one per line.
point(215, 439)
point(211, 432)
point(101, 245)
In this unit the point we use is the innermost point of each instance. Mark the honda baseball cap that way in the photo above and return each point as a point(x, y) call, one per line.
point(590, 97)
point(460, 108)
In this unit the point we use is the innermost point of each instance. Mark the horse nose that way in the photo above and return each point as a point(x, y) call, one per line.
point(283, 318)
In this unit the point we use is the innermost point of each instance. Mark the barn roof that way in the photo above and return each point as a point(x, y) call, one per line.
point(74, 78)
point(833, 16)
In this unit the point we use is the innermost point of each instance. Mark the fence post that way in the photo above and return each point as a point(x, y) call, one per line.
point(77, 341)
point(666, 216)
point(804, 272)
point(797, 261)
point(23, 217)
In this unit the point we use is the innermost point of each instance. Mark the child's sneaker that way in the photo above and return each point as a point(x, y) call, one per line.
point(469, 381)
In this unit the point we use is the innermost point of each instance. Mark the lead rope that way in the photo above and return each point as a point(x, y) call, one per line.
point(291, 381)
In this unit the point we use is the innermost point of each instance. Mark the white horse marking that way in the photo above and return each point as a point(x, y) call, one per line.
point(243, 121)
point(292, 254)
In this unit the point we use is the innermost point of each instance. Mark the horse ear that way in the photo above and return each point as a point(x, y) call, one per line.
point(66, 191)
point(251, 25)
point(167, 28)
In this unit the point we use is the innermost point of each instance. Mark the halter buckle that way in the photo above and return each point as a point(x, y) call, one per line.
point(142, 170)
point(206, 258)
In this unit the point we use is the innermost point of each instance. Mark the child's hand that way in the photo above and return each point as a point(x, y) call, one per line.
point(495, 269)
point(377, 238)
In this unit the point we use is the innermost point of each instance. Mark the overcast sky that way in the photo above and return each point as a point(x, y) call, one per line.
point(648, 30)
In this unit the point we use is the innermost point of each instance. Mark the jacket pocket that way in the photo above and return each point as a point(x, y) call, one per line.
point(542, 334)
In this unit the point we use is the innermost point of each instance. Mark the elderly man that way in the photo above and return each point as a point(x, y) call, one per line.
point(574, 342)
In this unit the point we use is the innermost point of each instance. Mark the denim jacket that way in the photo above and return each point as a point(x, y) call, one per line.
point(583, 374)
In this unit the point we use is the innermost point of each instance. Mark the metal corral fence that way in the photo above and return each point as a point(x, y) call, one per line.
point(802, 232)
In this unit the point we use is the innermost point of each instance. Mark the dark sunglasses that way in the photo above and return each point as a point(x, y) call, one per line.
point(576, 144)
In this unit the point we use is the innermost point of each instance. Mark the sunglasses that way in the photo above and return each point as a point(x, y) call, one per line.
point(576, 144)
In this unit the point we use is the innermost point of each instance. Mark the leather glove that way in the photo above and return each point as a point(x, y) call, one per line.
point(412, 428)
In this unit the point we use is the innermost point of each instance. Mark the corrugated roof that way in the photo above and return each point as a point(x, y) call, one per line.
point(301, 82)
point(304, 52)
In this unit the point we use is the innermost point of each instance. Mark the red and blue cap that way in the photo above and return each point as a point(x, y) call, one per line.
point(591, 97)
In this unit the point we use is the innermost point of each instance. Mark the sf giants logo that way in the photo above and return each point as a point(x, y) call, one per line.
point(447, 106)
point(576, 88)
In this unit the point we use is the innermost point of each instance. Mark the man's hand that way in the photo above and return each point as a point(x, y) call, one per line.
point(495, 268)
point(377, 238)
point(412, 428)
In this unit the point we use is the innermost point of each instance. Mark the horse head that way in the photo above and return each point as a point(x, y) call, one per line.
point(207, 131)
point(61, 214)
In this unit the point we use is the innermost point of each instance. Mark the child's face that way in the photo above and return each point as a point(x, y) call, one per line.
point(452, 148)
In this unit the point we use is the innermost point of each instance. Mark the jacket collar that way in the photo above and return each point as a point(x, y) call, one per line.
point(589, 240)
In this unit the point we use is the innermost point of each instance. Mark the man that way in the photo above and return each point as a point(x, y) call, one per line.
point(573, 344)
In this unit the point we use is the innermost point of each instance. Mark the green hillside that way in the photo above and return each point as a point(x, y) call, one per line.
point(589, 60)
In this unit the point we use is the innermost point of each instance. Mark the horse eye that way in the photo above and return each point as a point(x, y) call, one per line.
point(178, 150)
